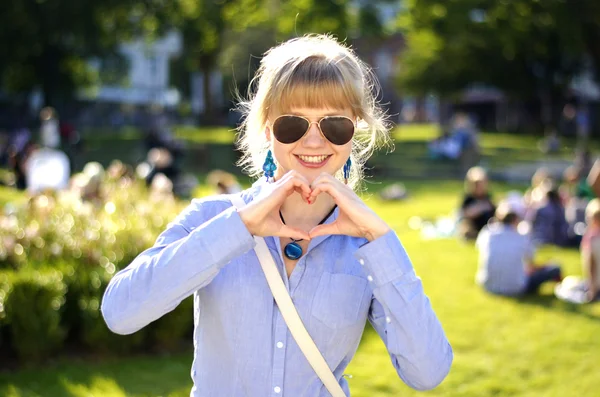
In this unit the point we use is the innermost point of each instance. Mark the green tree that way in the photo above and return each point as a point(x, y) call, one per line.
point(48, 43)
point(530, 49)
point(202, 26)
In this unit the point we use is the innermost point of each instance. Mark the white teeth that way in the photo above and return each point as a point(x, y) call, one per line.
point(313, 159)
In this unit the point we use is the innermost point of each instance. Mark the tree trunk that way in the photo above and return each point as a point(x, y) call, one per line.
point(208, 115)
point(546, 111)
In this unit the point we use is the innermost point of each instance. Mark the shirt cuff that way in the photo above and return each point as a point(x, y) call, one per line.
point(384, 259)
point(225, 236)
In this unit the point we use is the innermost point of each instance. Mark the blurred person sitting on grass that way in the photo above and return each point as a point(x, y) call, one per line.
point(590, 250)
point(477, 207)
point(547, 218)
point(585, 289)
point(223, 182)
point(506, 264)
point(453, 144)
point(311, 122)
point(534, 194)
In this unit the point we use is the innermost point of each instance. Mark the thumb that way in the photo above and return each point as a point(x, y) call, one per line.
point(323, 230)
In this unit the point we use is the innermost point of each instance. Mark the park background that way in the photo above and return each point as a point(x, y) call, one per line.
point(107, 67)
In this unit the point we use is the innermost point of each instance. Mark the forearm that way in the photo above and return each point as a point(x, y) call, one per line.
point(162, 276)
point(403, 317)
point(414, 337)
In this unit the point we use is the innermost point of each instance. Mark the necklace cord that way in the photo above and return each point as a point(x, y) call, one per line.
point(320, 223)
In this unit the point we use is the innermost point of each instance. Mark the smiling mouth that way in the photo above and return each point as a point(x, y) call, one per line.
point(313, 160)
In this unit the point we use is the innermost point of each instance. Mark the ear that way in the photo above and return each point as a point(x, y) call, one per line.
point(268, 133)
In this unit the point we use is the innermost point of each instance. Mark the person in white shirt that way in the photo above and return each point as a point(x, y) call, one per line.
point(506, 264)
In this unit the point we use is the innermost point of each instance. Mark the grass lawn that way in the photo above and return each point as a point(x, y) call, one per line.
point(536, 346)
point(503, 347)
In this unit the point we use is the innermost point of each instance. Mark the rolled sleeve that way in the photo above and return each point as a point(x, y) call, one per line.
point(230, 238)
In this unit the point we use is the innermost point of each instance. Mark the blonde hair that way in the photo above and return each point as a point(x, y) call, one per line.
point(312, 71)
point(474, 174)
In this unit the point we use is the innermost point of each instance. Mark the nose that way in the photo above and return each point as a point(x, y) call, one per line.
point(313, 138)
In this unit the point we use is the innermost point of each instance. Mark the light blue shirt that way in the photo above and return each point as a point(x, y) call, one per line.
point(242, 346)
point(503, 255)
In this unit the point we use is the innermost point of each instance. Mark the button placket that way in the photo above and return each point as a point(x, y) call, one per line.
point(278, 353)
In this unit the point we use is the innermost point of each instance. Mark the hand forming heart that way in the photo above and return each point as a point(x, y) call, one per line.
point(355, 217)
point(261, 216)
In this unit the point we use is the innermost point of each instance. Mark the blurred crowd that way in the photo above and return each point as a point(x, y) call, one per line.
point(562, 213)
point(50, 158)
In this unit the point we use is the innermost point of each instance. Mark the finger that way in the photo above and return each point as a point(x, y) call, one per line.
point(291, 232)
point(324, 230)
point(295, 175)
point(325, 187)
point(323, 177)
point(299, 185)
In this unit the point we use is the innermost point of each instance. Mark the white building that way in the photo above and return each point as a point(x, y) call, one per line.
point(147, 80)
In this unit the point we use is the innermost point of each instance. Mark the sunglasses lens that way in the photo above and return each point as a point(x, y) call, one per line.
point(288, 129)
point(339, 130)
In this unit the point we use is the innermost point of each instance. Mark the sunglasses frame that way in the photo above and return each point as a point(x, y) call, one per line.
point(310, 123)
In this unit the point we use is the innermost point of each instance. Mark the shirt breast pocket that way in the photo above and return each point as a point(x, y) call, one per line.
point(339, 300)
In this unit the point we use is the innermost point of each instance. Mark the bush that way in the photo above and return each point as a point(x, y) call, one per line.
point(3, 292)
point(32, 308)
point(82, 317)
point(97, 337)
point(108, 231)
point(85, 241)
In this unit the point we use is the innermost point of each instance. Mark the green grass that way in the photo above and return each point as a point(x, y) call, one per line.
point(213, 147)
point(503, 347)
point(10, 195)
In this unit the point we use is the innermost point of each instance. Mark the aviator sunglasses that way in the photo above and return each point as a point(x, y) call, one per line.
point(338, 130)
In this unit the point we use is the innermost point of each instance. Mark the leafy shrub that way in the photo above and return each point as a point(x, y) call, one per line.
point(32, 308)
point(4, 285)
point(96, 335)
point(85, 241)
point(108, 231)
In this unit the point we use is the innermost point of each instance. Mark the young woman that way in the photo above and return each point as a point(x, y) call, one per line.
point(311, 122)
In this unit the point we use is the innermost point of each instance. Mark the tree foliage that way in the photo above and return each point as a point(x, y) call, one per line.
point(48, 43)
point(527, 48)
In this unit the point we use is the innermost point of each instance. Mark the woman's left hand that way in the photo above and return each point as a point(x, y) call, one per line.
point(355, 218)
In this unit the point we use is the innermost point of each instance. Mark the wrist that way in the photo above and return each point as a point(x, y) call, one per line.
point(375, 233)
point(245, 220)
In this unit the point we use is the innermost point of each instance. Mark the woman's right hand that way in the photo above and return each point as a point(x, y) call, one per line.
point(261, 216)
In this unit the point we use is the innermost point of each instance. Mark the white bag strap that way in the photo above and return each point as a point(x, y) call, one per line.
point(290, 314)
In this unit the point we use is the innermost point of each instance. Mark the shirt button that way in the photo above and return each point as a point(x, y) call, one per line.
point(388, 320)
point(280, 344)
point(277, 389)
point(361, 261)
point(370, 278)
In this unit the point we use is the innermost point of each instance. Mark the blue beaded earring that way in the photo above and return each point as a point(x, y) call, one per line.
point(347, 170)
point(269, 166)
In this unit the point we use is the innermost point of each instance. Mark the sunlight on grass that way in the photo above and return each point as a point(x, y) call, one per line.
point(218, 135)
point(98, 386)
